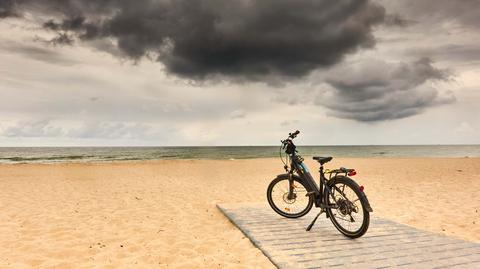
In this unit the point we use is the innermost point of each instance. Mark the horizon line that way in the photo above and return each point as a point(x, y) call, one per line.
point(202, 146)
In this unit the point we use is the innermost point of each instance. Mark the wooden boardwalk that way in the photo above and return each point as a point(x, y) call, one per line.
point(387, 244)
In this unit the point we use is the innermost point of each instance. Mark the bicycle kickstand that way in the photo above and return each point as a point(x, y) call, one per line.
point(315, 219)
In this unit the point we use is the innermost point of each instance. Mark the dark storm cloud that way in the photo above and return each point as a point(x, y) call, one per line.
point(198, 39)
point(61, 39)
point(397, 20)
point(7, 8)
point(375, 90)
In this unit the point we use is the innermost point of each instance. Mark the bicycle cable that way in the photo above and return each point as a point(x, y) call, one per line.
point(281, 158)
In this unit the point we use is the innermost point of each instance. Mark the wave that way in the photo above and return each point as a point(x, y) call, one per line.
point(45, 158)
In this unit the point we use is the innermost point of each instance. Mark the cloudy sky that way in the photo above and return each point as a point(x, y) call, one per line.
point(244, 72)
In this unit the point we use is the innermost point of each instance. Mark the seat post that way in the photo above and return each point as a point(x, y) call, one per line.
point(320, 183)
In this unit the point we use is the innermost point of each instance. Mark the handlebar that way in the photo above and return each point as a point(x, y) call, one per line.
point(290, 137)
point(288, 143)
point(289, 147)
point(294, 134)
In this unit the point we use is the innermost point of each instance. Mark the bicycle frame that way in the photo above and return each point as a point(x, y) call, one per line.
point(304, 173)
point(318, 191)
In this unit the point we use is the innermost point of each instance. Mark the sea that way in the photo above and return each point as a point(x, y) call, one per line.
point(106, 154)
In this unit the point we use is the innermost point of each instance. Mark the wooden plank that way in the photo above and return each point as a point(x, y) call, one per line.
point(387, 244)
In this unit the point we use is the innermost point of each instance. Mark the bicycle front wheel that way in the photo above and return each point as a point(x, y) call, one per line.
point(289, 205)
point(347, 210)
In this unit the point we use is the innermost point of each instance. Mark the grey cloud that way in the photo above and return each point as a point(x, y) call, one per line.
point(237, 114)
point(200, 39)
point(33, 128)
point(285, 95)
point(75, 23)
point(60, 39)
point(289, 122)
point(446, 31)
point(464, 12)
point(113, 130)
point(397, 20)
point(462, 53)
point(89, 129)
point(7, 8)
point(39, 53)
point(376, 90)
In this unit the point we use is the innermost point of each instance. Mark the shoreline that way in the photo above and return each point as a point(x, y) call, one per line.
point(232, 159)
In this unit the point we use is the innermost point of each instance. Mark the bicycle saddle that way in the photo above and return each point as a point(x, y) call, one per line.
point(322, 160)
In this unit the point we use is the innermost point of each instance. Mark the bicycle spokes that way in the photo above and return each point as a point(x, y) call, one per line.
point(348, 207)
point(289, 198)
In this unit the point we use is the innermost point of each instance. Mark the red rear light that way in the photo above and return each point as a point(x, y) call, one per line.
point(352, 173)
point(361, 188)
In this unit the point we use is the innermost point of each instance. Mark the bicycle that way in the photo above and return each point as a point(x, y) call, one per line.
point(339, 196)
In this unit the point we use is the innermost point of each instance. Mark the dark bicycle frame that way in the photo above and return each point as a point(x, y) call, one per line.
point(318, 191)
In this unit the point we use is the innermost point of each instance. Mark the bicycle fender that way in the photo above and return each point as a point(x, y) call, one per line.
point(367, 203)
point(363, 196)
point(288, 176)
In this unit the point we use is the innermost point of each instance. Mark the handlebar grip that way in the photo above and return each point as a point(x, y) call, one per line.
point(296, 132)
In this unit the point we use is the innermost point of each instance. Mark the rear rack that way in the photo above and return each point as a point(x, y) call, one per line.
point(341, 170)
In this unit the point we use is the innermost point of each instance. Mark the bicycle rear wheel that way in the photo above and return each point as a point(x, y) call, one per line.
point(290, 207)
point(350, 215)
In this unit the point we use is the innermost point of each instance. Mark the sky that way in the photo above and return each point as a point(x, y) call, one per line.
point(240, 72)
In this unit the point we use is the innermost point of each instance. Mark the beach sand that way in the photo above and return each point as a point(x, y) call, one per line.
point(162, 214)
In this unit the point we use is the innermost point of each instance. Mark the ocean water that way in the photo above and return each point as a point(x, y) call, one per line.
point(102, 154)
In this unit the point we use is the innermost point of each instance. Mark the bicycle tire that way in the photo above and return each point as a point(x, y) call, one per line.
point(277, 209)
point(332, 215)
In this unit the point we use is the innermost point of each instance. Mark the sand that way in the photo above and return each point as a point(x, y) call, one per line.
point(162, 214)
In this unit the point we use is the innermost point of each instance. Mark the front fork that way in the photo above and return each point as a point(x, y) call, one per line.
point(291, 187)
